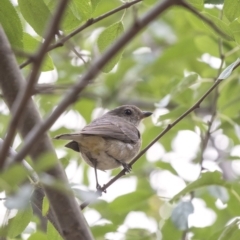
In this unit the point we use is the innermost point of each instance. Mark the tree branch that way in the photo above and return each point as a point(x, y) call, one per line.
point(23, 96)
point(203, 18)
point(170, 126)
point(72, 224)
point(90, 22)
point(93, 71)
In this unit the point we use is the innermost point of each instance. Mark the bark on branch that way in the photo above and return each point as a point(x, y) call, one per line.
point(69, 218)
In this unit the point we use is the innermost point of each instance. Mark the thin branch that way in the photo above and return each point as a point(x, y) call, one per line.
point(93, 71)
point(232, 51)
point(25, 94)
point(77, 53)
point(205, 19)
point(72, 225)
point(205, 139)
point(169, 126)
point(123, 172)
point(90, 22)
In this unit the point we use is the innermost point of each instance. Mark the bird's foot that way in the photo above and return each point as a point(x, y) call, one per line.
point(99, 189)
point(127, 167)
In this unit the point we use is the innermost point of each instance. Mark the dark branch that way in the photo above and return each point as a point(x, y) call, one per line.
point(170, 126)
point(90, 22)
point(72, 225)
point(93, 71)
point(205, 19)
point(25, 93)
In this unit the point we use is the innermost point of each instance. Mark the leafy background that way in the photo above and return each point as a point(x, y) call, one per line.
point(187, 185)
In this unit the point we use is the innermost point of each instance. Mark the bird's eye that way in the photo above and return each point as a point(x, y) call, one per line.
point(127, 111)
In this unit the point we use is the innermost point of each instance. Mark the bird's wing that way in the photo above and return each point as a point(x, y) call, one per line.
point(113, 127)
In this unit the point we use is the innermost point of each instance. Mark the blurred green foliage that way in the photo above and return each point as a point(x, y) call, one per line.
point(168, 66)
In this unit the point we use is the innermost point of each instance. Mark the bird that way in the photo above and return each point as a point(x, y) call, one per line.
point(109, 141)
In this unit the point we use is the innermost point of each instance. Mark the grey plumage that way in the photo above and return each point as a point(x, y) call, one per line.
point(111, 140)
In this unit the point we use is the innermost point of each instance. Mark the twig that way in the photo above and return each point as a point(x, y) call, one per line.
point(26, 93)
point(205, 19)
point(232, 51)
point(90, 22)
point(122, 173)
point(69, 218)
point(93, 71)
point(205, 138)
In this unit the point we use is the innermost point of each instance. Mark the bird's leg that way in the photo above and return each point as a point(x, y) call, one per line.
point(98, 186)
point(127, 167)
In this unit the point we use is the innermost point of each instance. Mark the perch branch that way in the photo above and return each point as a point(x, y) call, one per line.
point(92, 72)
point(169, 126)
point(24, 95)
point(72, 225)
point(90, 22)
point(203, 18)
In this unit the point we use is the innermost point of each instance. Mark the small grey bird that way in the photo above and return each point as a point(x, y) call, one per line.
point(109, 141)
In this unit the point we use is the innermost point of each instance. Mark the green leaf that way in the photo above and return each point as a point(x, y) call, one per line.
point(19, 222)
point(85, 108)
point(101, 230)
point(231, 230)
point(8, 182)
point(45, 206)
point(231, 9)
point(206, 179)
point(139, 234)
point(38, 236)
point(235, 27)
point(11, 23)
point(198, 4)
point(180, 214)
point(36, 13)
point(82, 9)
point(166, 166)
point(45, 162)
point(94, 4)
point(71, 18)
point(207, 44)
point(186, 82)
point(129, 202)
point(76, 12)
point(52, 233)
point(228, 35)
point(169, 229)
point(30, 44)
point(106, 38)
point(228, 70)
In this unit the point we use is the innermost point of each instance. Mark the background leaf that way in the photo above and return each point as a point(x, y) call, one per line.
point(180, 214)
point(14, 34)
point(19, 222)
point(30, 9)
point(106, 38)
point(231, 9)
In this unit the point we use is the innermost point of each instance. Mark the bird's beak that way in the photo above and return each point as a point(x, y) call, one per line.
point(146, 114)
